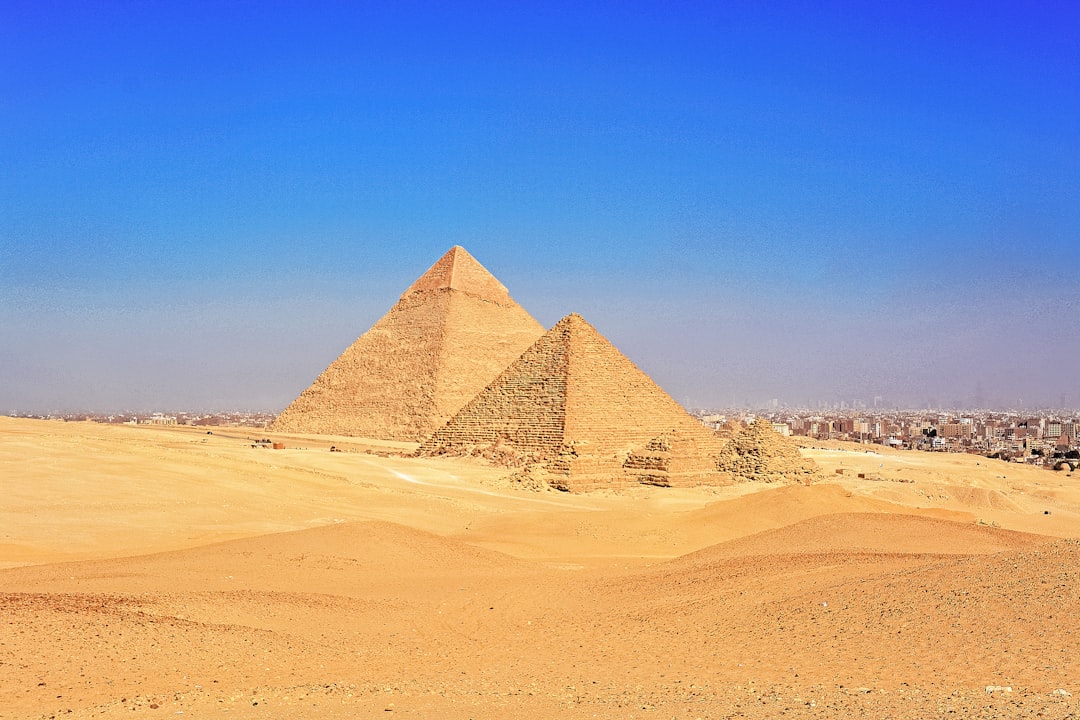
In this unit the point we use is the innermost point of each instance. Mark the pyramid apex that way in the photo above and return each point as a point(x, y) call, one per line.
point(575, 330)
point(571, 321)
point(458, 270)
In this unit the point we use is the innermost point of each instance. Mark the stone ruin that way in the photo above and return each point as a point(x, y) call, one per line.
point(759, 453)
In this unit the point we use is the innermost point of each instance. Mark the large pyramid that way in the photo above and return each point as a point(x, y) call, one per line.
point(452, 332)
point(581, 411)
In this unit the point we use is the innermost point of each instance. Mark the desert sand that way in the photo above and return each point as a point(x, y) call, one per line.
point(156, 571)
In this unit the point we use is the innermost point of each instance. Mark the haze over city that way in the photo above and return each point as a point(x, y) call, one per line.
point(200, 207)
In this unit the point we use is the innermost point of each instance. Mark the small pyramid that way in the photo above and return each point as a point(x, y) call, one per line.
point(578, 408)
point(448, 336)
point(759, 453)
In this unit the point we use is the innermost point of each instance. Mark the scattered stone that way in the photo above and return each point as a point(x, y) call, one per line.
point(760, 454)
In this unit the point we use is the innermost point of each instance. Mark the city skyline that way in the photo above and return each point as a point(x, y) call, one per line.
point(201, 207)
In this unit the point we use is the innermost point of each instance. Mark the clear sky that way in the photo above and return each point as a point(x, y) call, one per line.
point(202, 204)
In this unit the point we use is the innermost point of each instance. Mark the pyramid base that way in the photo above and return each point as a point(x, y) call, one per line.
point(579, 481)
point(681, 479)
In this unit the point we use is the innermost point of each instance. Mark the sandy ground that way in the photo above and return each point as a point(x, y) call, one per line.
point(165, 572)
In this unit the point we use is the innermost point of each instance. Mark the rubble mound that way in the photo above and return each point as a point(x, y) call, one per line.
point(760, 454)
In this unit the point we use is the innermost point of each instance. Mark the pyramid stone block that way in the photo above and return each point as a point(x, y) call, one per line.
point(448, 336)
point(580, 409)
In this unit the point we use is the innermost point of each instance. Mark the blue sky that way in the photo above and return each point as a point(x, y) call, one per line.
point(202, 204)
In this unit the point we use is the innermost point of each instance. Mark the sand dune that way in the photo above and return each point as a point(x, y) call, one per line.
point(346, 558)
point(881, 532)
point(210, 578)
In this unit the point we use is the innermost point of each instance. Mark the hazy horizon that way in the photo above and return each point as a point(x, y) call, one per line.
point(763, 409)
point(202, 206)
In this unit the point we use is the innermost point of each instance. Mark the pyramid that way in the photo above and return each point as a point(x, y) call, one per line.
point(449, 335)
point(580, 410)
point(759, 453)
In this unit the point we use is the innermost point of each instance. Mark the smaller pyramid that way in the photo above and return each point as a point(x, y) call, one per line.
point(760, 454)
point(581, 411)
point(448, 336)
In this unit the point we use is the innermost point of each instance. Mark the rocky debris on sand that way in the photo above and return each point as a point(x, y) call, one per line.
point(760, 454)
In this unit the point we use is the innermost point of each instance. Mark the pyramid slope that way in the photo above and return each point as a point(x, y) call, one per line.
point(381, 386)
point(575, 405)
point(448, 336)
point(523, 409)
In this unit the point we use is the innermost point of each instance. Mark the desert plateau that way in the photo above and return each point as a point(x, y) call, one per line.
point(176, 571)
